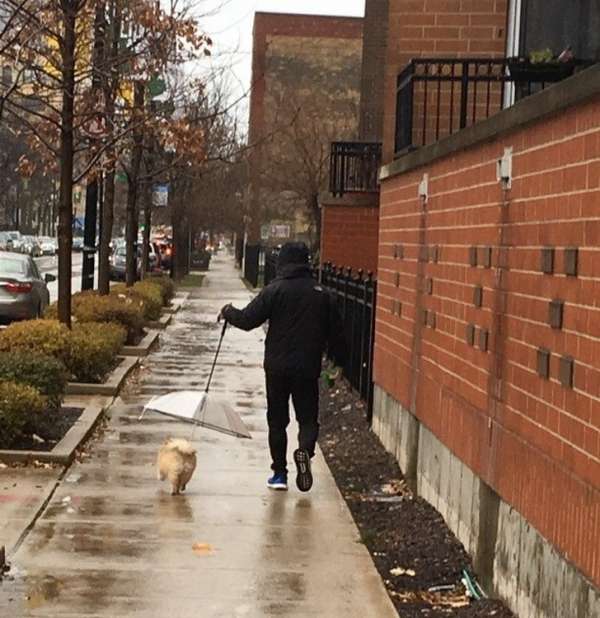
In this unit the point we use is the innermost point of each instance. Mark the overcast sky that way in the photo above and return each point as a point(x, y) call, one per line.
point(229, 23)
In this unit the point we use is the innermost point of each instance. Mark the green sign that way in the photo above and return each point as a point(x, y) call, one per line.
point(157, 86)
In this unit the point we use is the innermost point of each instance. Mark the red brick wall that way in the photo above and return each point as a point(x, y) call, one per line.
point(438, 28)
point(535, 441)
point(349, 236)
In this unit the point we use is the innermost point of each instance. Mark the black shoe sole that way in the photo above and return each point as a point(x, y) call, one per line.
point(304, 478)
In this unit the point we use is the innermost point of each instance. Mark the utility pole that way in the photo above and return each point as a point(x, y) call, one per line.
point(92, 190)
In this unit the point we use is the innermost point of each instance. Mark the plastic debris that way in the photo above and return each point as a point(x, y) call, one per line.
point(398, 571)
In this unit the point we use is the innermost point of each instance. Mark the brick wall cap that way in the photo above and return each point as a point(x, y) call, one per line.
point(556, 98)
point(366, 199)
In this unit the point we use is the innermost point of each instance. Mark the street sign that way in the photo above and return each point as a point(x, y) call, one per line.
point(157, 86)
point(95, 127)
point(160, 195)
point(280, 231)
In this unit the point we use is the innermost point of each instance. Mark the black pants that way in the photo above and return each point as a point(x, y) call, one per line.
point(305, 396)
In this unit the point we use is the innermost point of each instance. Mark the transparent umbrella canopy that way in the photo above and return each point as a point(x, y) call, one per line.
point(200, 408)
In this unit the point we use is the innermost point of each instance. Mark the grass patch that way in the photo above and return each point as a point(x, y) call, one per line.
point(191, 281)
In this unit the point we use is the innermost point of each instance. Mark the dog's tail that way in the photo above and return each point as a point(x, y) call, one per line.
point(183, 446)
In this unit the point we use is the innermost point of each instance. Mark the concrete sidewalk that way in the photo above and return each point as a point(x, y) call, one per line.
point(113, 542)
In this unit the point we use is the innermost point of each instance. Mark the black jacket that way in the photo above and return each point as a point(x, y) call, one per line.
point(303, 323)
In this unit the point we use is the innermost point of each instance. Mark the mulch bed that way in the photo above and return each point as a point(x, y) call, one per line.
point(49, 432)
point(411, 546)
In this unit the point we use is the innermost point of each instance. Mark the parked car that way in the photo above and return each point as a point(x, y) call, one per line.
point(118, 262)
point(48, 245)
point(78, 243)
point(23, 292)
point(31, 246)
point(164, 249)
point(3, 241)
point(14, 241)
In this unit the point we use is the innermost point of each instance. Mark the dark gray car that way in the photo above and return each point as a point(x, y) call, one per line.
point(23, 292)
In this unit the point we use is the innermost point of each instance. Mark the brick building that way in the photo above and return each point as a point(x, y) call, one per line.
point(305, 91)
point(487, 349)
point(395, 32)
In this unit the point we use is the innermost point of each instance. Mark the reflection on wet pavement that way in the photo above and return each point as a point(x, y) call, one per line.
point(114, 543)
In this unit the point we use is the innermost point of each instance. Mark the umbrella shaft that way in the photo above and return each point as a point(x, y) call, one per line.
point(212, 369)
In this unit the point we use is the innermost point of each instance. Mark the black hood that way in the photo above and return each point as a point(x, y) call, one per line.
point(292, 254)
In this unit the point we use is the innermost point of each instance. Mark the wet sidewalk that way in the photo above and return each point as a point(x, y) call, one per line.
point(114, 543)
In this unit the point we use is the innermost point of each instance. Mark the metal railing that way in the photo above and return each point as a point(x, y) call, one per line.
point(354, 167)
point(436, 97)
point(270, 266)
point(252, 255)
point(356, 295)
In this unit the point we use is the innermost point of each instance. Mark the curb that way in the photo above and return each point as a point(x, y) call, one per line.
point(177, 303)
point(143, 347)
point(112, 386)
point(161, 324)
point(64, 452)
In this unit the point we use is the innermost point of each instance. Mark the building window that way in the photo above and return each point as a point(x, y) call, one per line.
point(555, 24)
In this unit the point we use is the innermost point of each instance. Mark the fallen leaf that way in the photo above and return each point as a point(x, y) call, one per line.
point(202, 549)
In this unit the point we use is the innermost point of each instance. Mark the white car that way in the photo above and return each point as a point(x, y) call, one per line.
point(14, 241)
point(48, 245)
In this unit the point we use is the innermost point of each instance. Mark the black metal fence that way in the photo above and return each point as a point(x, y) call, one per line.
point(356, 295)
point(354, 167)
point(239, 251)
point(252, 255)
point(436, 97)
point(270, 266)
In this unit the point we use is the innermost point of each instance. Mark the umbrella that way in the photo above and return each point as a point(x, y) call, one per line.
point(198, 408)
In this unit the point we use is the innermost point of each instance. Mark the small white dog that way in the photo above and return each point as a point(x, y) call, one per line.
point(176, 462)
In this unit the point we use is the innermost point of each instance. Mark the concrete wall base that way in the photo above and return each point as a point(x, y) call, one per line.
point(513, 561)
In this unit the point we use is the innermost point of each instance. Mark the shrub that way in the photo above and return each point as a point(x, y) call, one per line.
point(126, 311)
point(167, 286)
point(45, 373)
point(94, 348)
point(38, 337)
point(19, 405)
point(152, 294)
point(149, 299)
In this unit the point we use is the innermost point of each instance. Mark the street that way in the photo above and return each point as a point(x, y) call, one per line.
point(49, 265)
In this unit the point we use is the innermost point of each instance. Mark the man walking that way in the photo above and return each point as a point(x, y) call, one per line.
point(303, 322)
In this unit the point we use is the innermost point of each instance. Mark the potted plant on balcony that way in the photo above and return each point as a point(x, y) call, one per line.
point(542, 66)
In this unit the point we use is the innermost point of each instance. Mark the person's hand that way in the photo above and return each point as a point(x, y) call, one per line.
point(223, 312)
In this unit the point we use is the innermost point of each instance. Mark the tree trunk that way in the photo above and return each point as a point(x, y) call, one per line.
point(180, 233)
point(106, 233)
point(133, 187)
point(110, 82)
point(148, 206)
point(147, 226)
point(65, 208)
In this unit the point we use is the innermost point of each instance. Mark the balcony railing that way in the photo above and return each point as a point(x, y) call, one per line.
point(354, 167)
point(436, 97)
